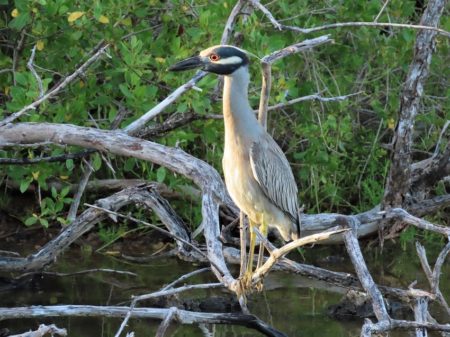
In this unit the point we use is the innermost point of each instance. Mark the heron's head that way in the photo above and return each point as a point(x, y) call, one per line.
point(221, 60)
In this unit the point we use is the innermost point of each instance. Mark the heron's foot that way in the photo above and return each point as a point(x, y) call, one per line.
point(246, 282)
point(259, 286)
point(248, 286)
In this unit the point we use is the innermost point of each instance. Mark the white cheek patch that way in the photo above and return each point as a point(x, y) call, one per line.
point(229, 60)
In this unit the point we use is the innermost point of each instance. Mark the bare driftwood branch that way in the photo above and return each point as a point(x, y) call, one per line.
point(171, 315)
point(119, 143)
point(383, 25)
point(30, 66)
point(277, 254)
point(433, 276)
point(266, 63)
point(229, 25)
point(156, 110)
point(182, 316)
point(397, 324)
point(353, 249)
point(399, 178)
point(423, 26)
point(42, 331)
point(52, 92)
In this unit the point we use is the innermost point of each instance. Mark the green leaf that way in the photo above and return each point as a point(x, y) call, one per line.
point(69, 164)
point(65, 191)
point(30, 221)
point(161, 174)
point(21, 21)
point(43, 222)
point(54, 192)
point(97, 162)
point(24, 184)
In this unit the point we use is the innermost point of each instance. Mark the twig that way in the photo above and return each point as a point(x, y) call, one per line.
point(267, 13)
point(173, 291)
point(229, 25)
point(434, 275)
point(277, 254)
point(266, 63)
point(156, 110)
point(364, 276)
point(438, 144)
point(81, 272)
point(33, 71)
point(166, 322)
point(185, 277)
point(51, 159)
point(57, 88)
point(72, 214)
point(403, 215)
point(159, 229)
point(381, 10)
point(314, 97)
point(366, 24)
point(279, 26)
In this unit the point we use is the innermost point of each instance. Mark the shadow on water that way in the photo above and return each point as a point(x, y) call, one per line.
point(292, 304)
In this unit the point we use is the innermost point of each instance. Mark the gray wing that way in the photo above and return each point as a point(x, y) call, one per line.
point(272, 171)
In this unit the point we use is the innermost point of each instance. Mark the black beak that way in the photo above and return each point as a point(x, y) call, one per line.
point(190, 63)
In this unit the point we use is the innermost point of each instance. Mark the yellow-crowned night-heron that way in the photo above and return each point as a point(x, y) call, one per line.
point(257, 173)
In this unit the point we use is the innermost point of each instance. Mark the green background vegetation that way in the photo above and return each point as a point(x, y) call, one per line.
point(338, 150)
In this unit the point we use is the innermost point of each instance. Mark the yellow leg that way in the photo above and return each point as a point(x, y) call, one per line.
point(246, 280)
point(251, 254)
point(263, 229)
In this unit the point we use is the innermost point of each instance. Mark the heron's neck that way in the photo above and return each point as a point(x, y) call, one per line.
point(238, 115)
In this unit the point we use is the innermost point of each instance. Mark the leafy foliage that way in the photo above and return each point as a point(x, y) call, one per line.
point(335, 148)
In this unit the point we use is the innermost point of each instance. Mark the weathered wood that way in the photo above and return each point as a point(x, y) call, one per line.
point(42, 331)
point(399, 178)
point(353, 249)
point(183, 316)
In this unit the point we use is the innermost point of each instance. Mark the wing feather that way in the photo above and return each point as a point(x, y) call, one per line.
point(272, 171)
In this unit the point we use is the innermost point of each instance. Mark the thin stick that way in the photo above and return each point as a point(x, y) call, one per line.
point(159, 229)
point(30, 66)
point(365, 24)
point(277, 254)
point(57, 88)
point(157, 109)
point(171, 315)
point(185, 277)
point(313, 97)
point(381, 11)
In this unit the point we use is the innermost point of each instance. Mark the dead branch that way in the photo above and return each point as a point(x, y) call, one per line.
point(166, 322)
point(42, 331)
point(51, 159)
point(433, 276)
point(399, 178)
point(182, 316)
point(426, 26)
point(277, 254)
point(266, 63)
point(30, 66)
point(119, 143)
point(156, 110)
point(364, 276)
point(55, 90)
point(231, 21)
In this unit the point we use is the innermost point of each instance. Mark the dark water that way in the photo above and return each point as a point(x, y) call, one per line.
point(296, 306)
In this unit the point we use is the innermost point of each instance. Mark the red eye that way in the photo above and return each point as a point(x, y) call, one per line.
point(214, 57)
